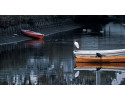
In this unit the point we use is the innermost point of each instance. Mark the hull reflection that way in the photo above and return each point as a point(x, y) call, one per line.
point(102, 65)
point(36, 42)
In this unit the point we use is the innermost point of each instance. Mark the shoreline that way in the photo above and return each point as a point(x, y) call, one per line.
point(49, 30)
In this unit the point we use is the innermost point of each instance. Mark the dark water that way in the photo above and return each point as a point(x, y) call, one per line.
point(51, 62)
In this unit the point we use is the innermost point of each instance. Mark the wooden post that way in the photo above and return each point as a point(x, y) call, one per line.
point(98, 78)
point(104, 31)
point(109, 31)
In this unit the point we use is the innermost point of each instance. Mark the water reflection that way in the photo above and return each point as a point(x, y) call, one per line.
point(51, 61)
point(102, 77)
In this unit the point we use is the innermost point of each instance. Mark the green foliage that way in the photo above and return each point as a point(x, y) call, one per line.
point(12, 20)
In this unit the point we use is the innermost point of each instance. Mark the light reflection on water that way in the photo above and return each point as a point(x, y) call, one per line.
point(51, 62)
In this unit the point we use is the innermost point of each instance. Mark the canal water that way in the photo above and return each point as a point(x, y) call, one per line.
point(51, 61)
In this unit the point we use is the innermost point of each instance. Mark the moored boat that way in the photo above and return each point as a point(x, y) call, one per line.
point(32, 34)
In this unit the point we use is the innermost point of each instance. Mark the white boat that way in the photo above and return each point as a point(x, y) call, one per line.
point(115, 52)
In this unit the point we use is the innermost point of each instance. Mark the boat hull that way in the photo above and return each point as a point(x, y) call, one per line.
point(106, 59)
point(32, 34)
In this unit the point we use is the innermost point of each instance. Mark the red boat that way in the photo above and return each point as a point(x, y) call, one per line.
point(32, 34)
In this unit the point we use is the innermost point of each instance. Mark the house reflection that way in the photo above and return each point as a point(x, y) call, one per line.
point(42, 65)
